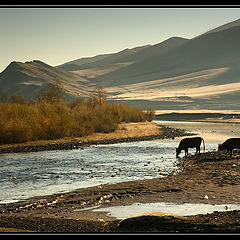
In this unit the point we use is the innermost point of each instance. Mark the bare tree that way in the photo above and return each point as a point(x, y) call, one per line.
point(53, 93)
point(98, 97)
point(101, 95)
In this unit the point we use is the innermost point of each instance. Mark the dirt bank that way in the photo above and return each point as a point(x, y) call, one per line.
point(214, 175)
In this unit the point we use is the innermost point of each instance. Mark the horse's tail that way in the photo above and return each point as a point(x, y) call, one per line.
point(204, 147)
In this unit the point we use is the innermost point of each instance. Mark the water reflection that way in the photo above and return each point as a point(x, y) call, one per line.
point(211, 132)
point(186, 209)
point(30, 174)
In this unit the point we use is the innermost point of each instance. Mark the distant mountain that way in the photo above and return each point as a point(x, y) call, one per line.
point(101, 60)
point(157, 49)
point(178, 73)
point(119, 60)
point(208, 51)
point(75, 64)
point(225, 26)
point(208, 64)
point(29, 78)
point(125, 56)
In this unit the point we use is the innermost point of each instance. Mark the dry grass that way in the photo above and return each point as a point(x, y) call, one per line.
point(124, 130)
point(48, 121)
point(127, 130)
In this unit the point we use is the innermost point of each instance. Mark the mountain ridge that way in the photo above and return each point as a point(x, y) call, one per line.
point(100, 60)
point(177, 73)
point(225, 26)
point(207, 47)
point(29, 78)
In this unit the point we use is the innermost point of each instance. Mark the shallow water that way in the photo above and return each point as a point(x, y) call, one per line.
point(26, 175)
point(211, 132)
point(186, 209)
point(30, 174)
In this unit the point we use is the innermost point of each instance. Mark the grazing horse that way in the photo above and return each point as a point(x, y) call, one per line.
point(186, 143)
point(229, 145)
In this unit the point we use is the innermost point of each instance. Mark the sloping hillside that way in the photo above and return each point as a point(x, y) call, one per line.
point(204, 69)
point(124, 58)
point(102, 60)
point(178, 73)
point(101, 64)
point(86, 62)
point(29, 78)
point(220, 49)
point(225, 26)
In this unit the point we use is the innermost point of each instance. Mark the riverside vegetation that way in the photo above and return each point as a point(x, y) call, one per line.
point(51, 116)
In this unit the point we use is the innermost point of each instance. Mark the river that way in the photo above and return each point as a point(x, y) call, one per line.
point(24, 175)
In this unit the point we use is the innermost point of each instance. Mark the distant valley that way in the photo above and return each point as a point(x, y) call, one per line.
point(177, 74)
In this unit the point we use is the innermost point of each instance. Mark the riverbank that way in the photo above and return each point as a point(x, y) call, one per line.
point(126, 132)
point(210, 178)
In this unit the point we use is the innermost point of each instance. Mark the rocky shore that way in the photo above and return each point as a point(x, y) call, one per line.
point(208, 174)
point(210, 178)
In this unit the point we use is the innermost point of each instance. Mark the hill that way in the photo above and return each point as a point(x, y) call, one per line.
point(226, 26)
point(126, 57)
point(29, 78)
point(202, 72)
point(178, 73)
point(101, 60)
point(101, 64)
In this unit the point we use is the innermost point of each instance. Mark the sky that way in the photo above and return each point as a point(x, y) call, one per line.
point(58, 35)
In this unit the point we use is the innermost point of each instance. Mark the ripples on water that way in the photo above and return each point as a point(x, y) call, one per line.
point(30, 174)
point(185, 209)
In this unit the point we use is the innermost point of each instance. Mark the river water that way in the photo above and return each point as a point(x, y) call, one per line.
point(24, 175)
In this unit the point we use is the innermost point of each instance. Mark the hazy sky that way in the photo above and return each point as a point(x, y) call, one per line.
point(58, 35)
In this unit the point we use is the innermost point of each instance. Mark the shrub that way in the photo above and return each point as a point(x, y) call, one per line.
point(16, 98)
point(150, 115)
point(53, 119)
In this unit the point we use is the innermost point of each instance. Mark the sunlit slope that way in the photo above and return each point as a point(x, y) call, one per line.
point(213, 50)
point(178, 73)
point(202, 71)
point(29, 78)
point(103, 60)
